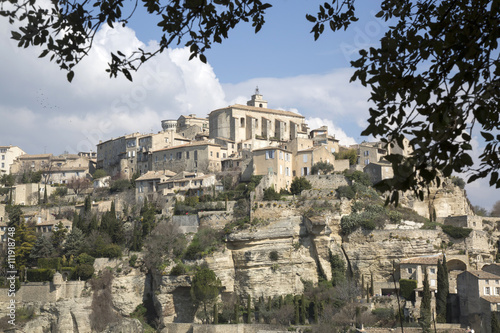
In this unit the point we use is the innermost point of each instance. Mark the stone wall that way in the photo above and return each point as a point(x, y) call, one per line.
point(186, 223)
point(45, 292)
point(328, 182)
point(230, 328)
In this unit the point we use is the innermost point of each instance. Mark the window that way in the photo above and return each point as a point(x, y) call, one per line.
point(432, 270)
point(211, 153)
point(164, 157)
point(367, 161)
point(304, 158)
point(281, 155)
point(269, 154)
point(3, 157)
point(242, 122)
point(217, 155)
point(433, 283)
point(487, 291)
point(497, 291)
point(3, 165)
point(287, 171)
point(178, 155)
point(410, 270)
point(195, 155)
point(171, 156)
point(187, 155)
point(366, 153)
point(223, 155)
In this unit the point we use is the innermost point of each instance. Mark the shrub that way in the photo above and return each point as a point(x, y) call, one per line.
point(40, 274)
point(120, 185)
point(299, 184)
point(179, 269)
point(273, 255)
point(132, 260)
point(271, 194)
point(204, 242)
point(346, 192)
point(456, 232)
point(111, 251)
point(83, 272)
point(85, 258)
point(324, 167)
point(407, 288)
point(52, 263)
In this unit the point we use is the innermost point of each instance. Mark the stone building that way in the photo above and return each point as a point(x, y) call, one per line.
point(274, 161)
point(146, 186)
point(479, 296)
point(379, 171)
point(185, 181)
point(197, 156)
point(255, 126)
point(8, 155)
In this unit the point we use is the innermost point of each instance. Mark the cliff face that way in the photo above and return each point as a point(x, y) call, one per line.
point(278, 255)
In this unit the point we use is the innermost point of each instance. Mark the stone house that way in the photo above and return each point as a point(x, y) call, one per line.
point(479, 297)
point(415, 268)
point(320, 137)
point(8, 155)
point(379, 171)
point(274, 161)
point(118, 157)
point(190, 126)
point(152, 142)
point(185, 181)
point(28, 194)
point(146, 186)
point(305, 159)
point(197, 156)
point(369, 152)
point(47, 227)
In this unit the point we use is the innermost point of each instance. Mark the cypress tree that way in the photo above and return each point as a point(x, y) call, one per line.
point(315, 310)
point(442, 291)
point(362, 285)
point(425, 306)
point(216, 314)
point(297, 312)
point(249, 309)
point(495, 325)
point(367, 293)
point(371, 283)
point(237, 311)
point(303, 310)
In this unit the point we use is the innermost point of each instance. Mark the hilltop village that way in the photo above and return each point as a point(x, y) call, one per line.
point(244, 221)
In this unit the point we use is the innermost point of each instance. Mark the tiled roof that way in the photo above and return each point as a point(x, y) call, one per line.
point(155, 175)
point(484, 275)
point(263, 110)
point(427, 260)
point(271, 147)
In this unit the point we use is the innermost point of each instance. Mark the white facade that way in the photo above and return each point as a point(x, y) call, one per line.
point(7, 156)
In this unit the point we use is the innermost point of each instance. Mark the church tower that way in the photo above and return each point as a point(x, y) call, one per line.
point(257, 100)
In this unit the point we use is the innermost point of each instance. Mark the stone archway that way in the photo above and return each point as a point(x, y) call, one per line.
point(456, 265)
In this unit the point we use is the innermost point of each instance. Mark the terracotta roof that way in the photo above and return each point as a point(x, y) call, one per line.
point(427, 260)
point(262, 110)
point(484, 275)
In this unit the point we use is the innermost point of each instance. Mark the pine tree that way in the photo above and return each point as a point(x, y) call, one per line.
point(442, 291)
point(43, 248)
point(425, 306)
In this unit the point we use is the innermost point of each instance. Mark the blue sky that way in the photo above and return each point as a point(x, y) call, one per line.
point(42, 112)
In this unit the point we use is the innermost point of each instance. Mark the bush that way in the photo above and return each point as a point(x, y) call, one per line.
point(456, 232)
point(85, 258)
point(299, 184)
point(179, 269)
point(111, 251)
point(204, 242)
point(132, 260)
point(324, 167)
point(120, 185)
point(273, 255)
point(270, 194)
point(50, 263)
point(346, 192)
point(407, 288)
point(83, 272)
point(40, 274)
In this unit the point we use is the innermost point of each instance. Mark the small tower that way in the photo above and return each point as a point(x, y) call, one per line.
point(257, 100)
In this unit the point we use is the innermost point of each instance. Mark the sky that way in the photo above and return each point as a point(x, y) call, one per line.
point(42, 113)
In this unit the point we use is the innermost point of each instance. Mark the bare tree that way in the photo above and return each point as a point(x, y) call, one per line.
point(78, 184)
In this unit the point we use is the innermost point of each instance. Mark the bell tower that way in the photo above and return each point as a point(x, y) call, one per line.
point(257, 100)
